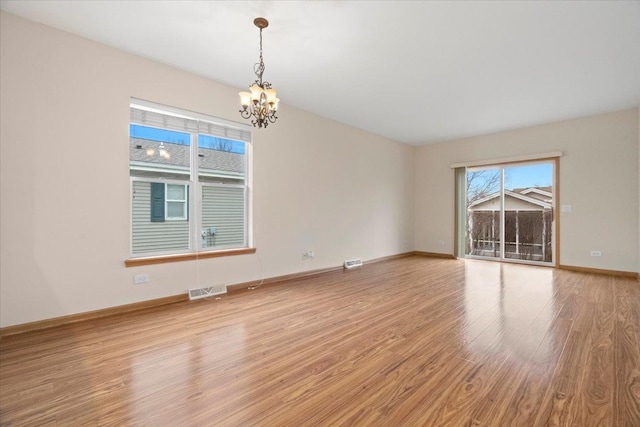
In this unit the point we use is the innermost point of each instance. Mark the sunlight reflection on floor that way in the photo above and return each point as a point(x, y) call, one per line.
point(507, 308)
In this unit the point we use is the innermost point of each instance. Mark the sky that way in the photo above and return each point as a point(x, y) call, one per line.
point(517, 176)
point(539, 175)
point(174, 137)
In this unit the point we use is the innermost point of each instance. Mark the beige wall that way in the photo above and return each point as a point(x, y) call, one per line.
point(598, 177)
point(65, 209)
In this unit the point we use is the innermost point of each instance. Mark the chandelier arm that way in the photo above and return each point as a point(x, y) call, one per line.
point(245, 113)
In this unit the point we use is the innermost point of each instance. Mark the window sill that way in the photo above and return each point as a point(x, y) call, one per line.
point(135, 262)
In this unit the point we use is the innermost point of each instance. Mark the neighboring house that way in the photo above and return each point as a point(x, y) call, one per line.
point(528, 217)
point(160, 209)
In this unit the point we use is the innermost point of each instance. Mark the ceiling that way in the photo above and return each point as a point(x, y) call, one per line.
point(416, 72)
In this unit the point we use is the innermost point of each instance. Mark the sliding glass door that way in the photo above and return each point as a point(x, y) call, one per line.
point(509, 212)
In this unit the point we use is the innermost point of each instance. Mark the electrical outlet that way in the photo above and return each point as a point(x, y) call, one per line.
point(139, 279)
point(310, 254)
point(596, 253)
point(440, 242)
point(305, 256)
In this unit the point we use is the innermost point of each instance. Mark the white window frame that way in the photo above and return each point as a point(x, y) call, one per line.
point(193, 212)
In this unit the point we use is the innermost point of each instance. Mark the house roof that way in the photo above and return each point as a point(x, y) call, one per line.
point(179, 155)
point(516, 195)
point(540, 193)
point(544, 191)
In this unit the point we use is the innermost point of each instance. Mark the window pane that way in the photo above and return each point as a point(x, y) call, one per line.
point(483, 208)
point(175, 192)
point(223, 221)
point(221, 160)
point(159, 153)
point(150, 232)
point(175, 210)
point(529, 200)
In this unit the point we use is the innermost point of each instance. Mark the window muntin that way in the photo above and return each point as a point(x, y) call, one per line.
point(205, 189)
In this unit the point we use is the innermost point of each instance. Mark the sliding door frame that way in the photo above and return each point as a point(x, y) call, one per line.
point(461, 209)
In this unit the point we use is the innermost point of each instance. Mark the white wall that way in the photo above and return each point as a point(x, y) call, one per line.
point(598, 177)
point(65, 204)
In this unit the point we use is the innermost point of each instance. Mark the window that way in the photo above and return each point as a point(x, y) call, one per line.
point(168, 202)
point(188, 174)
point(176, 200)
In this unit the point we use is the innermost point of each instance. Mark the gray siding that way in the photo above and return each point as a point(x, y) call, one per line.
point(223, 208)
point(154, 236)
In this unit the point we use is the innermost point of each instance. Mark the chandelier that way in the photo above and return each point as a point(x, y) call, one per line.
point(260, 104)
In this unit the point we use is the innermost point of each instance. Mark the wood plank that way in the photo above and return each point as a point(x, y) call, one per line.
point(598, 384)
point(626, 354)
point(557, 406)
point(516, 396)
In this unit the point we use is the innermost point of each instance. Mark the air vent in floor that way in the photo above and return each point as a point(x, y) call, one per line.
point(353, 263)
point(207, 292)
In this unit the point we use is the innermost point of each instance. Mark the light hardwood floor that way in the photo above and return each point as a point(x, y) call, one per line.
point(412, 341)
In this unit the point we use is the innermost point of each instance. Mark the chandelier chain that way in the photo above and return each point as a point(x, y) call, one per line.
point(261, 61)
point(258, 68)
